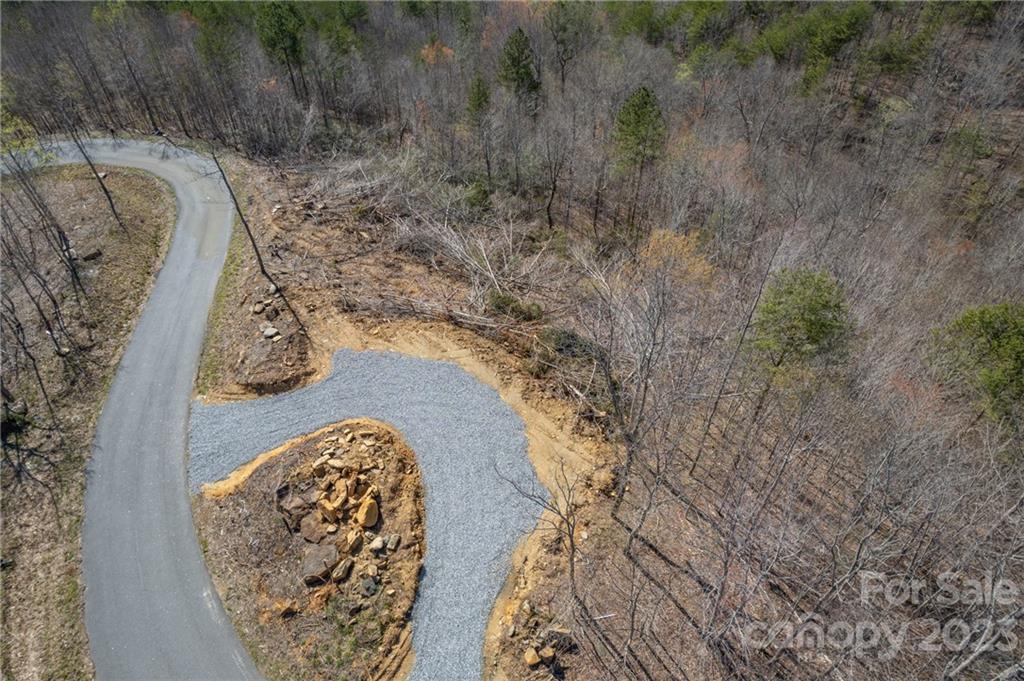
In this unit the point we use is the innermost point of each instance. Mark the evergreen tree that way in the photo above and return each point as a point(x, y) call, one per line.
point(220, 28)
point(517, 70)
point(477, 107)
point(479, 99)
point(802, 317)
point(640, 133)
point(279, 27)
point(639, 138)
point(335, 23)
point(981, 353)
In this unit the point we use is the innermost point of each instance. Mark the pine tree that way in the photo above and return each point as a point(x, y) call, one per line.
point(640, 133)
point(517, 70)
point(279, 27)
point(479, 99)
point(639, 138)
point(802, 317)
point(479, 103)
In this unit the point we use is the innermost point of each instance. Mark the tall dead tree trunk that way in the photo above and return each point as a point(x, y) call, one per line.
point(99, 177)
point(255, 247)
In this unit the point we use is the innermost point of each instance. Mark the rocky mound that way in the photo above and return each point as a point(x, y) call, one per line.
point(276, 357)
point(317, 554)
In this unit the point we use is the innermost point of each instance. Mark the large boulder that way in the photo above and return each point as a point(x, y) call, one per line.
point(312, 529)
point(368, 512)
point(318, 562)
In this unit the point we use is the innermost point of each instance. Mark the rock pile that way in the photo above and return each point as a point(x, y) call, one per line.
point(541, 644)
point(334, 503)
point(279, 358)
point(320, 548)
point(267, 310)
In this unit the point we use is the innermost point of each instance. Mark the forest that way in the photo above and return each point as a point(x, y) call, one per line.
point(774, 251)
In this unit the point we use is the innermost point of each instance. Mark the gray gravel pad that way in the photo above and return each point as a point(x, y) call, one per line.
point(465, 439)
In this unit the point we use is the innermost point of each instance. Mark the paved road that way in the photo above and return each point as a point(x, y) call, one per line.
point(151, 611)
point(463, 435)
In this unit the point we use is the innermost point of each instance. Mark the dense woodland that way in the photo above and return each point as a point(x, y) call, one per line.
point(774, 248)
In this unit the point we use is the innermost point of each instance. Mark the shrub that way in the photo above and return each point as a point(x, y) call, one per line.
point(477, 197)
point(676, 255)
point(829, 36)
point(819, 32)
point(968, 141)
point(698, 61)
point(568, 343)
point(970, 12)
point(802, 317)
point(982, 353)
point(897, 54)
point(361, 211)
point(973, 201)
point(641, 19)
point(555, 239)
point(705, 19)
point(508, 305)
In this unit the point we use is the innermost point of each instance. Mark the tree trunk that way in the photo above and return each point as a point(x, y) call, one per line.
point(99, 178)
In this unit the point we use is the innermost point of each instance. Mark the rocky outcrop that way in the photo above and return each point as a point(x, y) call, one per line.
point(340, 545)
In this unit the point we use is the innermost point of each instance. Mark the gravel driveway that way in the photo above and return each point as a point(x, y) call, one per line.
point(463, 435)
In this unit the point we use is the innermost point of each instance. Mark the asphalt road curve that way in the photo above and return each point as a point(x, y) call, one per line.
point(151, 611)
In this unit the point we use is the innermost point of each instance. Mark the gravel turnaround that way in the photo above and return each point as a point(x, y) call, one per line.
point(151, 611)
point(466, 439)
